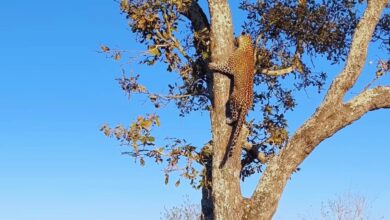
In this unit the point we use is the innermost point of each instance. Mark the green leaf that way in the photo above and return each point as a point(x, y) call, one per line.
point(145, 124)
point(124, 5)
point(104, 48)
point(157, 120)
point(106, 130)
point(148, 36)
point(154, 51)
point(166, 179)
point(117, 56)
point(205, 55)
point(151, 139)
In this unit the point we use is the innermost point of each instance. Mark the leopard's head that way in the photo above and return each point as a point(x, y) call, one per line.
point(244, 41)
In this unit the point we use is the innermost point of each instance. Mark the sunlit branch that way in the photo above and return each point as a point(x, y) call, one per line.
point(358, 52)
point(369, 100)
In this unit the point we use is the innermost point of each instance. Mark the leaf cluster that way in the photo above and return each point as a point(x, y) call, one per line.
point(307, 26)
point(178, 155)
point(156, 23)
point(138, 134)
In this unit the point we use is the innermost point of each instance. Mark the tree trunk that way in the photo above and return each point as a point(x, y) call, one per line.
point(226, 193)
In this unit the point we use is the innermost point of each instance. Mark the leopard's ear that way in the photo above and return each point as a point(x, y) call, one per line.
point(243, 33)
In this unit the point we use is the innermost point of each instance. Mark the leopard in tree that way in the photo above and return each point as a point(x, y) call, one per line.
point(240, 65)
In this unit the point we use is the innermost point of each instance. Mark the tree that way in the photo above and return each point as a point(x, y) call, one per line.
point(186, 211)
point(347, 206)
point(287, 35)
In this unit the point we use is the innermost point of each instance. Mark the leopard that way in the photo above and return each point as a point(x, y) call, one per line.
point(240, 67)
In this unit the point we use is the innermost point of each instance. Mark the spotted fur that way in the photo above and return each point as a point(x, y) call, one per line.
point(240, 65)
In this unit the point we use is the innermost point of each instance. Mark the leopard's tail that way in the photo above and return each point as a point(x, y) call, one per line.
point(234, 136)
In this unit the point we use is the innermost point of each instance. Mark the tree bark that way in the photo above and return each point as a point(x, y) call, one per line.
point(226, 193)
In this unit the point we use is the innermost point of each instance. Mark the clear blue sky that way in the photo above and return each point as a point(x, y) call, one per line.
point(56, 91)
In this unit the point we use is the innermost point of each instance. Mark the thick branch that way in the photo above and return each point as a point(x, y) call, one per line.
point(196, 15)
point(199, 24)
point(370, 100)
point(201, 29)
point(278, 72)
point(252, 151)
point(221, 47)
point(358, 52)
point(226, 181)
point(296, 64)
